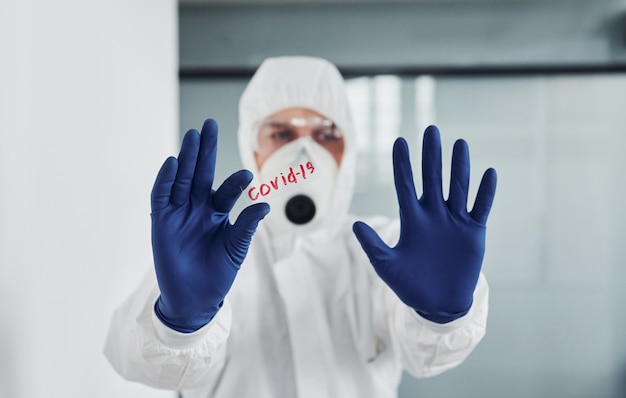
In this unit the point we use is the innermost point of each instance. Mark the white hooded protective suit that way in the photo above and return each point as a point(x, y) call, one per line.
point(307, 316)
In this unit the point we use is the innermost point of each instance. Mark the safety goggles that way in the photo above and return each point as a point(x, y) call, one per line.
point(276, 132)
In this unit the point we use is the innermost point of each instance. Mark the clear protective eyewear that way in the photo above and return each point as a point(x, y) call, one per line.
point(276, 132)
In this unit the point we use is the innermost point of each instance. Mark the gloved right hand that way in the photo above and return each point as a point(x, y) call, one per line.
point(197, 251)
point(435, 266)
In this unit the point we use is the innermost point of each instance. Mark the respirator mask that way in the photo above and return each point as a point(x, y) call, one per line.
point(298, 182)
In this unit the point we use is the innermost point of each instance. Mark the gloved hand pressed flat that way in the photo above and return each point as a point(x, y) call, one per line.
point(197, 251)
point(436, 263)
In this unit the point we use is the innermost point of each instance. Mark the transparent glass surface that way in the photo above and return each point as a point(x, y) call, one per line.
point(555, 260)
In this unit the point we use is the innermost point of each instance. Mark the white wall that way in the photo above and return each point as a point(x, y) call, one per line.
point(88, 110)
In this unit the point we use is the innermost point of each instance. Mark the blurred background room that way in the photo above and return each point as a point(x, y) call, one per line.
point(95, 95)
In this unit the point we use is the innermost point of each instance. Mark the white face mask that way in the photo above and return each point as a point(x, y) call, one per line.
point(298, 182)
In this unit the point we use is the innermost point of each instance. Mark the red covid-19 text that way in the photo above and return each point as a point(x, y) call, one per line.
point(291, 176)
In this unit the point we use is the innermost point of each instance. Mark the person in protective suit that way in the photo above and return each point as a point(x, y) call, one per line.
point(310, 301)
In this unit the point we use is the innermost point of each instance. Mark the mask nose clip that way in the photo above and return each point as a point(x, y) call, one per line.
point(300, 209)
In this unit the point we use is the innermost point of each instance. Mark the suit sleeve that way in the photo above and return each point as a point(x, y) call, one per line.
point(426, 348)
point(140, 348)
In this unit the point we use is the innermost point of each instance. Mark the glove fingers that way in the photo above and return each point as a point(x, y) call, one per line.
point(205, 167)
point(403, 178)
point(484, 197)
point(186, 166)
point(376, 249)
point(243, 229)
point(160, 196)
point(431, 165)
point(227, 194)
point(459, 178)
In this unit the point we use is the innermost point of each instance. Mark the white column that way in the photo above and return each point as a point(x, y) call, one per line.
point(88, 111)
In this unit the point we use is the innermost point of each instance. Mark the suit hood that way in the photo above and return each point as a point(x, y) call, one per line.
point(301, 82)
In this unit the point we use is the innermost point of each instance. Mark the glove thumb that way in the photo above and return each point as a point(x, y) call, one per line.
point(244, 228)
point(377, 251)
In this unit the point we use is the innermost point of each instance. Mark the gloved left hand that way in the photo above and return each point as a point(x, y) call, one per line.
point(436, 263)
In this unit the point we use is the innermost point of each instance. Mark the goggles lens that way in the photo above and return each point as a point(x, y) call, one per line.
point(273, 133)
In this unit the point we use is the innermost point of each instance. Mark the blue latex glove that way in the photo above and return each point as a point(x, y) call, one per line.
point(197, 251)
point(436, 263)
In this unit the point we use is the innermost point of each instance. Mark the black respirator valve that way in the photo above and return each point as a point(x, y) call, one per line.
point(300, 209)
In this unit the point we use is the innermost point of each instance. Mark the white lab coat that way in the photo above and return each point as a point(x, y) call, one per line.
point(306, 316)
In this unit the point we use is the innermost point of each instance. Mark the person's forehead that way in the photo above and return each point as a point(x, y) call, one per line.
point(297, 118)
point(294, 112)
point(298, 122)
